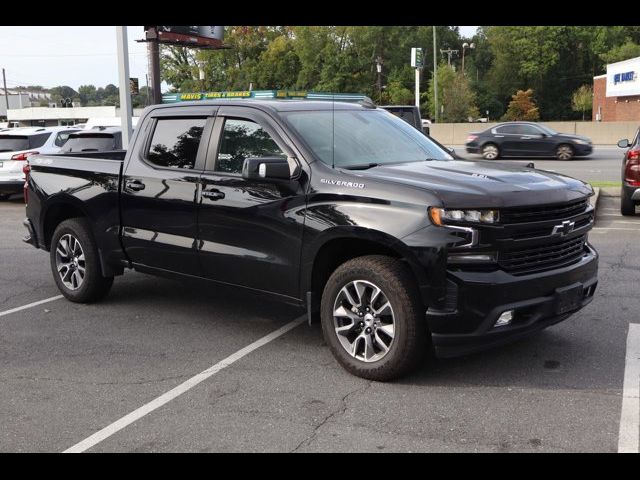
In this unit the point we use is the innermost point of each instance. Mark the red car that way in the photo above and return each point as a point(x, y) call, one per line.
point(630, 195)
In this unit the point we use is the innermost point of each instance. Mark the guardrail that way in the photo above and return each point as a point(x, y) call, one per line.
point(600, 133)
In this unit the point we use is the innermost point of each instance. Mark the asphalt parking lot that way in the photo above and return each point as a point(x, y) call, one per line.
point(69, 370)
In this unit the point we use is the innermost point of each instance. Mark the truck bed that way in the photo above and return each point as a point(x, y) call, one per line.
point(87, 183)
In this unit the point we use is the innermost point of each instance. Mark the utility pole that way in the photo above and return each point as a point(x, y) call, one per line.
point(435, 75)
point(6, 92)
point(123, 77)
point(449, 52)
point(153, 50)
point(379, 64)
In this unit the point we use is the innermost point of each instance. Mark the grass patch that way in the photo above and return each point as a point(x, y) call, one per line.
point(606, 184)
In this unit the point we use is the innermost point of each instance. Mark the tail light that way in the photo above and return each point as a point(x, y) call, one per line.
point(25, 189)
point(632, 168)
point(471, 138)
point(23, 156)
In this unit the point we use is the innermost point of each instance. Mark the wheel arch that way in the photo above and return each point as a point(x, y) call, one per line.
point(339, 245)
point(56, 211)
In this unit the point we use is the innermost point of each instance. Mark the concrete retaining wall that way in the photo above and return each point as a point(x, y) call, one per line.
point(600, 133)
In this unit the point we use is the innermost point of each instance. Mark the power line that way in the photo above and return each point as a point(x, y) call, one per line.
point(29, 55)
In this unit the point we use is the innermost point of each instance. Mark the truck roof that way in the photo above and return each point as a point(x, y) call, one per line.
point(275, 105)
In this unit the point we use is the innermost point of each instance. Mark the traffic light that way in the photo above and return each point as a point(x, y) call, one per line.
point(417, 60)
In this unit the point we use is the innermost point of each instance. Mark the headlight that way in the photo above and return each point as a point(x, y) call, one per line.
point(581, 142)
point(441, 216)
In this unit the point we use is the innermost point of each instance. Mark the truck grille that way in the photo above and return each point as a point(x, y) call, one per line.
point(545, 257)
point(538, 214)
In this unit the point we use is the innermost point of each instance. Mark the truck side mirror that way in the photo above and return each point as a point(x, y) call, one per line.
point(624, 143)
point(266, 168)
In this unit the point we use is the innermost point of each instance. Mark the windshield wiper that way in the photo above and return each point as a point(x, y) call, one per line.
point(362, 166)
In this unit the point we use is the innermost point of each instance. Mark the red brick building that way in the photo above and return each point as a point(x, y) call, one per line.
point(616, 95)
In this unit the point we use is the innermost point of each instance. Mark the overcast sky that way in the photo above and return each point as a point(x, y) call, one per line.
point(74, 56)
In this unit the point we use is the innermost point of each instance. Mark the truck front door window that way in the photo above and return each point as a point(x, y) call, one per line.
point(175, 142)
point(242, 139)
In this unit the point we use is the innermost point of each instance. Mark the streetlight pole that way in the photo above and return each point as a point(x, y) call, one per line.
point(123, 77)
point(465, 45)
point(435, 75)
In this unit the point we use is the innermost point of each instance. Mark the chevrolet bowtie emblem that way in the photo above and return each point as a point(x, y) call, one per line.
point(564, 228)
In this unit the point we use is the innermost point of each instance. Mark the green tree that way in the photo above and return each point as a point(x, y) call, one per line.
point(522, 107)
point(456, 98)
point(582, 99)
point(627, 50)
point(62, 92)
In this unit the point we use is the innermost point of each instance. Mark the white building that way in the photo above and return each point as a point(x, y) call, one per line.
point(15, 102)
point(50, 117)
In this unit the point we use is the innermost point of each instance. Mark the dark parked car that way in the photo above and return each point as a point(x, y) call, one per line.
point(527, 139)
point(342, 209)
point(630, 195)
point(408, 113)
point(102, 139)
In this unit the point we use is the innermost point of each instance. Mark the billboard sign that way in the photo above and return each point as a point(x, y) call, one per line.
point(622, 78)
point(188, 35)
point(263, 94)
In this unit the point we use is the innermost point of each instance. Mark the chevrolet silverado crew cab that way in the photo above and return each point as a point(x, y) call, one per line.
point(341, 208)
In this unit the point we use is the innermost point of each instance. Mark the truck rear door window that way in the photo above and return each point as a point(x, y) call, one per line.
point(175, 142)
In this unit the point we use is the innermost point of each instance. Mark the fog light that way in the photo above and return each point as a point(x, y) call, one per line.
point(504, 319)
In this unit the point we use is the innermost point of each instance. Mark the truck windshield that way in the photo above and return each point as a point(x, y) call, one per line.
point(362, 137)
point(13, 143)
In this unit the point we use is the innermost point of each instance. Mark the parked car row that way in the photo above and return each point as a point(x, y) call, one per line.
point(18, 144)
point(527, 139)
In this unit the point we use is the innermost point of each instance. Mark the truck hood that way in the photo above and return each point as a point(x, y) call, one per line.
point(481, 184)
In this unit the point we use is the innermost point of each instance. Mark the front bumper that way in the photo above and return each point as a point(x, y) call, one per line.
point(582, 150)
point(477, 299)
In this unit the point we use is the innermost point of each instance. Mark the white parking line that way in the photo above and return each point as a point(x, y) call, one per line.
point(34, 304)
point(629, 437)
point(165, 398)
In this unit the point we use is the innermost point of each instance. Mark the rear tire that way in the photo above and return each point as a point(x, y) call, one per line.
point(490, 151)
point(4, 196)
point(627, 206)
point(397, 333)
point(75, 262)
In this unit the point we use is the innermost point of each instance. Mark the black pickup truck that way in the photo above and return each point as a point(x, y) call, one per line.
point(343, 209)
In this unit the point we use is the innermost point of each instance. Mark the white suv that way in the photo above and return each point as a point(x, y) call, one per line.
point(17, 144)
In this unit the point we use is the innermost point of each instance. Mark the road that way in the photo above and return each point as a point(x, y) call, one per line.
point(603, 165)
point(70, 370)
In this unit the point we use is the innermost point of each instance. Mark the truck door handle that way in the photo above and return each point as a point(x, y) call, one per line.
point(213, 194)
point(135, 185)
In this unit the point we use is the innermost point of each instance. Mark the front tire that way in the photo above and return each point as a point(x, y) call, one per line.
point(627, 206)
point(75, 262)
point(373, 319)
point(564, 152)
